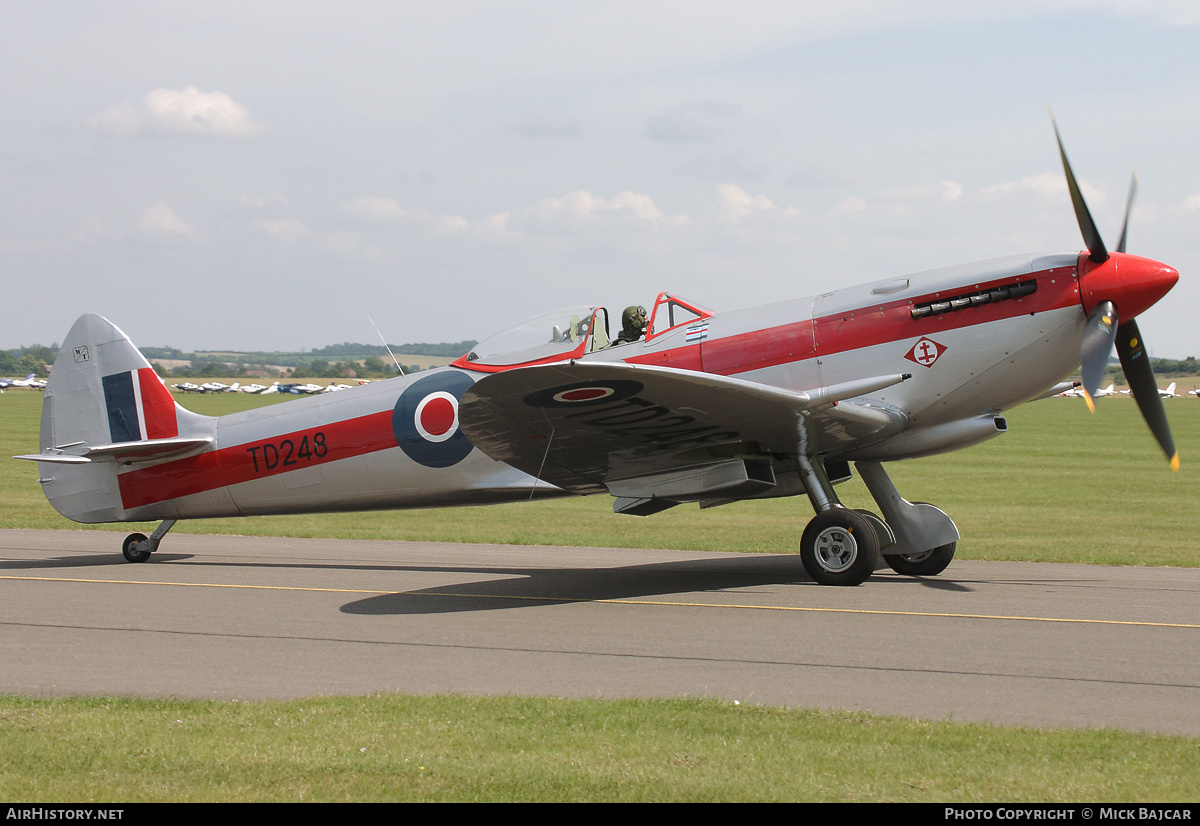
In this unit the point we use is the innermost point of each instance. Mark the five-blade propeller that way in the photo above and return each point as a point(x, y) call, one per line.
point(1104, 329)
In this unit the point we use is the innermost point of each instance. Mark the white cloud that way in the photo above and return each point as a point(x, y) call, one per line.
point(1192, 203)
point(951, 190)
point(451, 225)
point(736, 203)
point(850, 204)
point(177, 112)
point(1047, 183)
point(580, 208)
point(375, 208)
point(160, 219)
point(284, 230)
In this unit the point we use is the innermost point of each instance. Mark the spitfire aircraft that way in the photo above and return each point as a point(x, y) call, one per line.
point(701, 407)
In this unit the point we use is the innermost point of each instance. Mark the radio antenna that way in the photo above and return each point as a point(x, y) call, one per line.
point(385, 345)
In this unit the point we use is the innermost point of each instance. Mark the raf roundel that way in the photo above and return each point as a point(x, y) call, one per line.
point(584, 394)
point(425, 420)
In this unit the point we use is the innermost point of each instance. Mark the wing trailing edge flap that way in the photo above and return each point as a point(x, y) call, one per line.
point(653, 434)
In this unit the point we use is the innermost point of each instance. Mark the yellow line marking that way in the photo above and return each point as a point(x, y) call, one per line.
point(194, 584)
point(666, 603)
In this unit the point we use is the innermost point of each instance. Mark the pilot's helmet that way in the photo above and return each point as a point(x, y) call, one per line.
point(633, 320)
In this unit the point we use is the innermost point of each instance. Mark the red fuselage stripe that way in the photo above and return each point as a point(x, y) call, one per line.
point(272, 456)
point(862, 327)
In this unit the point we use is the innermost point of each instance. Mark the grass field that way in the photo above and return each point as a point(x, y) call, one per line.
point(1061, 486)
point(395, 748)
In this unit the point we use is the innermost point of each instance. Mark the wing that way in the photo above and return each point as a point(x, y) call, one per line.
point(652, 432)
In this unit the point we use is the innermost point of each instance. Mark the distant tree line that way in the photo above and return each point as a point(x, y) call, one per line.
point(22, 361)
point(363, 361)
point(325, 359)
point(1163, 369)
point(372, 367)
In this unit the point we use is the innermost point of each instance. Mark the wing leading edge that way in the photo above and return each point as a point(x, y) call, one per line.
point(643, 432)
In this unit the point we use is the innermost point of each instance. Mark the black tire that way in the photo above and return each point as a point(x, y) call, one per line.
point(928, 563)
point(129, 548)
point(839, 547)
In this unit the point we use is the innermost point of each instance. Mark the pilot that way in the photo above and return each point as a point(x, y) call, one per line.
point(633, 324)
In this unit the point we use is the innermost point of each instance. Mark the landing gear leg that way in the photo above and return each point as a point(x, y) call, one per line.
point(137, 547)
point(925, 536)
point(839, 546)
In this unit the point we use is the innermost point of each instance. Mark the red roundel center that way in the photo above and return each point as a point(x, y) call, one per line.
point(583, 394)
point(437, 416)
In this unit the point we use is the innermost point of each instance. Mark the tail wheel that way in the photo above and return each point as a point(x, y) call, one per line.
point(130, 550)
point(929, 563)
point(839, 547)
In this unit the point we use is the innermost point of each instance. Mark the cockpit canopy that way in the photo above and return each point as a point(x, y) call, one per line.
point(553, 336)
point(569, 333)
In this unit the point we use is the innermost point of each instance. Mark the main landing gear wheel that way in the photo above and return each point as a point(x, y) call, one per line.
point(928, 563)
point(839, 547)
point(129, 548)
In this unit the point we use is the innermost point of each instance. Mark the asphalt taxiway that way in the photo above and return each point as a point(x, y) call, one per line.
point(250, 617)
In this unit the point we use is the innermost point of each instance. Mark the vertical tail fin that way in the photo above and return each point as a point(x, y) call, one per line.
point(105, 408)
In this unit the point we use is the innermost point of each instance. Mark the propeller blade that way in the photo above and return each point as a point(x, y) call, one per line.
point(1140, 376)
point(1133, 182)
point(1096, 347)
point(1091, 235)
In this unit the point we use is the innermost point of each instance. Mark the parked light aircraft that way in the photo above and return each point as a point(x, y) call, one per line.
point(707, 408)
point(29, 381)
point(297, 389)
point(1166, 393)
point(1077, 392)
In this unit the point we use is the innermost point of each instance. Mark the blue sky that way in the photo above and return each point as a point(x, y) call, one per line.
point(265, 175)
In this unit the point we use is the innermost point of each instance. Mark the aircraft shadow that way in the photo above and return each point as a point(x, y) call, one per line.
point(528, 588)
